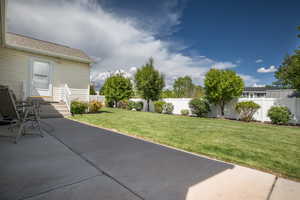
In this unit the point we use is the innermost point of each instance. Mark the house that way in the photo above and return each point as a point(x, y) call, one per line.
point(263, 92)
point(37, 68)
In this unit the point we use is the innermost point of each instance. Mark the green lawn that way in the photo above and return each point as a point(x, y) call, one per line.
point(267, 147)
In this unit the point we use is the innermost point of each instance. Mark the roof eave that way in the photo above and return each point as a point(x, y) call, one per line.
point(48, 53)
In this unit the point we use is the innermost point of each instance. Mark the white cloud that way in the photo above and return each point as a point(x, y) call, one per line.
point(259, 61)
point(272, 68)
point(258, 85)
point(249, 80)
point(115, 42)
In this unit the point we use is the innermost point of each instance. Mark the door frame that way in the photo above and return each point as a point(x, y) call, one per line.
point(30, 70)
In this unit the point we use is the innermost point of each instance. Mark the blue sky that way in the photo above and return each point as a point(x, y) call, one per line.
point(185, 37)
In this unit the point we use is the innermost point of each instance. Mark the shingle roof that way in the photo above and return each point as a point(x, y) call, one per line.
point(24, 42)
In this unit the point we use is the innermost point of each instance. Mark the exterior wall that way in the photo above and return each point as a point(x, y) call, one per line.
point(14, 71)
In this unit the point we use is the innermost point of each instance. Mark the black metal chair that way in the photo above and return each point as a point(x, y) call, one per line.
point(19, 114)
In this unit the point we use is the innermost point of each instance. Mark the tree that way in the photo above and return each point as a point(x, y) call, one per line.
point(183, 87)
point(198, 91)
point(117, 88)
point(167, 94)
point(92, 90)
point(288, 74)
point(221, 86)
point(149, 82)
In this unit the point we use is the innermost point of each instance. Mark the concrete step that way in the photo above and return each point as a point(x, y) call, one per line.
point(54, 110)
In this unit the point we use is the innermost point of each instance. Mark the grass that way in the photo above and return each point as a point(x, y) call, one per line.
point(271, 148)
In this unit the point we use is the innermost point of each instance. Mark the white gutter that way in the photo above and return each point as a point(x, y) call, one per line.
point(48, 53)
point(3, 5)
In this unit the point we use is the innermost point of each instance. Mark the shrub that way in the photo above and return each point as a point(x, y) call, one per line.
point(78, 107)
point(95, 106)
point(246, 110)
point(123, 104)
point(185, 112)
point(158, 106)
point(279, 114)
point(168, 108)
point(199, 106)
point(139, 105)
point(109, 103)
point(131, 105)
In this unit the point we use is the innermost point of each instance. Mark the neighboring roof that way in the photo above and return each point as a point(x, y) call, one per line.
point(261, 89)
point(30, 44)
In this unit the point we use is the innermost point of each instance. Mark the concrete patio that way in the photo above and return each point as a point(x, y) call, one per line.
point(77, 161)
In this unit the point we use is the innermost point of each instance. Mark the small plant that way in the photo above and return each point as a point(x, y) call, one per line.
point(95, 106)
point(199, 106)
point(168, 108)
point(279, 114)
point(78, 107)
point(158, 106)
point(246, 110)
point(139, 105)
point(185, 112)
point(123, 104)
point(131, 105)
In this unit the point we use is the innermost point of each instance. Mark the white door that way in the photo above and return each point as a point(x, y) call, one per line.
point(41, 78)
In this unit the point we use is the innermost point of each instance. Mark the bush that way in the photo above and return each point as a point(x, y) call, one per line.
point(109, 104)
point(185, 112)
point(131, 105)
point(123, 104)
point(158, 106)
point(78, 107)
point(139, 105)
point(246, 110)
point(199, 106)
point(168, 108)
point(95, 106)
point(279, 114)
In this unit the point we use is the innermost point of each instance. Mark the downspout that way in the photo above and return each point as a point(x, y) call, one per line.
point(3, 21)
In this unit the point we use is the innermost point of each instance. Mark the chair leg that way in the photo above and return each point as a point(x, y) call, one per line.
point(22, 126)
point(20, 132)
point(39, 127)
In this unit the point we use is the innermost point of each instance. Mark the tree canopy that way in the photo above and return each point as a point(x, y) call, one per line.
point(92, 90)
point(183, 87)
point(288, 74)
point(149, 82)
point(117, 88)
point(221, 86)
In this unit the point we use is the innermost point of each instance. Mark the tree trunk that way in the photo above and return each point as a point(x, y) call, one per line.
point(222, 106)
point(148, 106)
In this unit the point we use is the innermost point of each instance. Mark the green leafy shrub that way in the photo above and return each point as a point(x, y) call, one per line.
point(199, 106)
point(158, 106)
point(131, 105)
point(168, 108)
point(139, 105)
point(78, 107)
point(246, 110)
point(279, 114)
point(185, 112)
point(123, 104)
point(95, 106)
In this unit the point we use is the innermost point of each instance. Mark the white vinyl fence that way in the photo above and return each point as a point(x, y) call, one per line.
point(261, 115)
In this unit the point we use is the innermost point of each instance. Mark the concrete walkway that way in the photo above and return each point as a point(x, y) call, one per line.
point(77, 161)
